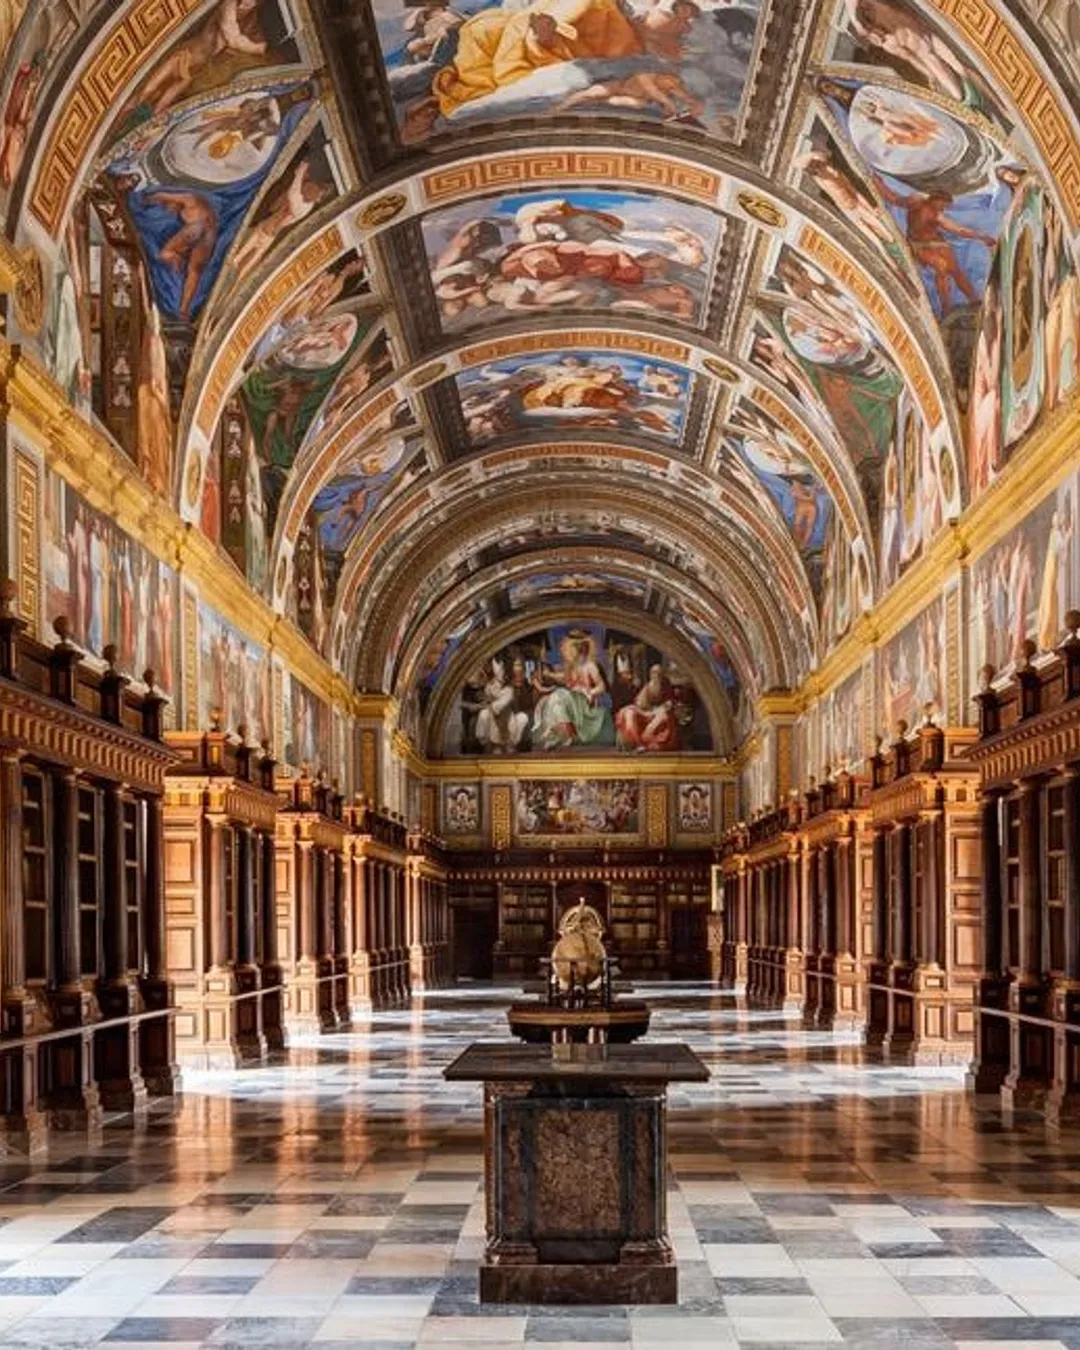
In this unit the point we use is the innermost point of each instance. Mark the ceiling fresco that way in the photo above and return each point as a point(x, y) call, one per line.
point(534, 253)
point(450, 323)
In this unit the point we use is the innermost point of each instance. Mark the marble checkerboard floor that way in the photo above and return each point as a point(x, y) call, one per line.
point(335, 1200)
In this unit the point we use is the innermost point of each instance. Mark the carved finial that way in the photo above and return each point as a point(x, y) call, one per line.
point(879, 745)
point(1028, 648)
point(62, 628)
point(1072, 620)
point(986, 678)
point(264, 745)
point(928, 714)
point(901, 729)
point(216, 718)
point(242, 732)
point(8, 591)
point(109, 653)
point(304, 769)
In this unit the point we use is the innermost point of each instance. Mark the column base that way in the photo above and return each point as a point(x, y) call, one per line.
point(248, 1015)
point(76, 1111)
point(27, 1133)
point(117, 1051)
point(272, 1010)
point(304, 1013)
point(164, 1080)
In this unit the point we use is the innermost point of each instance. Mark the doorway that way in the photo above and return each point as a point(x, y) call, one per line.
point(474, 933)
point(689, 942)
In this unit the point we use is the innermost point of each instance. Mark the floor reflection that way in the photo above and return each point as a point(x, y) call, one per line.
point(335, 1198)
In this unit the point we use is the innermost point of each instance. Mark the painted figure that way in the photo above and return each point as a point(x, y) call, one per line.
point(231, 28)
point(573, 707)
point(648, 723)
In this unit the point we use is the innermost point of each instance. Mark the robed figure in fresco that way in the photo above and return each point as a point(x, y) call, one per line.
point(497, 47)
point(574, 707)
point(649, 722)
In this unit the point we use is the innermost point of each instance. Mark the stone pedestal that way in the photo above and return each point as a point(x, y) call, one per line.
point(575, 1161)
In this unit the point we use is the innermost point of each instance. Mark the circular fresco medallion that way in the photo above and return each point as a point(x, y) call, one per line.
point(318, 345)
point(902, 135)
point(823, 339)
point(225, 142)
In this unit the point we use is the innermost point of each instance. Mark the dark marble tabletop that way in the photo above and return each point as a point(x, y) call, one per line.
point(511, 1062)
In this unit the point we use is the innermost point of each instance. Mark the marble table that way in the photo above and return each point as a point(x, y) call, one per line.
point(575, 1169)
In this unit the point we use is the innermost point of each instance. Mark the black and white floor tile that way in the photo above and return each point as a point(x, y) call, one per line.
point(335, 1200)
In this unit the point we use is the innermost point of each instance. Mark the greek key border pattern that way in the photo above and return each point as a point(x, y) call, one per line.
point(1010, 63)
point(27, 494)
point(515, 171)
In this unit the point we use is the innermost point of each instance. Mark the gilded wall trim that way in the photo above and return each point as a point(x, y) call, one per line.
point(501, 814)
point(26, 500)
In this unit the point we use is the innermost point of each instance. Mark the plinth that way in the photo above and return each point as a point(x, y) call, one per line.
point(575, 1170)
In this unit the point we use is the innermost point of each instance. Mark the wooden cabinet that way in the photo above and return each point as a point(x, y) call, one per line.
point(85, 1002)
point(1028, 759)
point(925, 952)
point(220, 812)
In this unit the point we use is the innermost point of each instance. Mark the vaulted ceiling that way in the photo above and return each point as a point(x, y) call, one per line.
point(447, 316)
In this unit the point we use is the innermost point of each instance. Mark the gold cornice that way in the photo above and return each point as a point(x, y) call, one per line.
point(512, 767)
point(408, 755)
point(779, 703)
point(380, 707)
point(89, 461)
point(746, 752)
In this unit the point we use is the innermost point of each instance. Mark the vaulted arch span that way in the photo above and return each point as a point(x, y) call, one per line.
point(749, 302)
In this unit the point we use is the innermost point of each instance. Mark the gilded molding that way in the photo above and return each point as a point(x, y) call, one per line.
point(501, 812)
point(26, 502)
point(656, 815)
